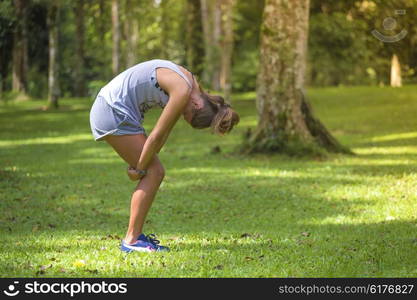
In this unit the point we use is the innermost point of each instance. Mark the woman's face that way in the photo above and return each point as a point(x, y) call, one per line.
point(188, 114)
point(195, 103)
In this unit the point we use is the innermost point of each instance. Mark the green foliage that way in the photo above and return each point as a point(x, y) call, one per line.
point(161, 32)
point(9, 96)
point(246, 52)
point(342, 50)
point(65, 197)
point(94, 87)
point(245, 71)
point(336, 45)
point(38, 85)
point(7, 18)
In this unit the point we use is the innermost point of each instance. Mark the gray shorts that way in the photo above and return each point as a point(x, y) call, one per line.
point(105, 120)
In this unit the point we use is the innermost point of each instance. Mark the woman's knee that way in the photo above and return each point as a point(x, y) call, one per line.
point(158, 171)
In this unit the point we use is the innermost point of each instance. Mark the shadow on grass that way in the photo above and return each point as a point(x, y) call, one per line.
point(385, 249)
point(408, 167)
point(87, 195)
point(57, 123)
point(286, 207)
point(394, 139)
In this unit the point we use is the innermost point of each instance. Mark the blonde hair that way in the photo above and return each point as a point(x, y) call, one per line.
point(216, 114)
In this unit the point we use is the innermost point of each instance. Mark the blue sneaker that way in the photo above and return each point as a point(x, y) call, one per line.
point(145, 243)
point(151, 238)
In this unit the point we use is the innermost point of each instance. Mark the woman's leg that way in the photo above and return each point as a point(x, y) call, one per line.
point(129, 147)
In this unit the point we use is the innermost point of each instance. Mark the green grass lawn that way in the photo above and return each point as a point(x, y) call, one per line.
point(64, 197)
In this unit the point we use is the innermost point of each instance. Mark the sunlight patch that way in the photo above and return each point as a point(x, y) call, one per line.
point(82, 161)
point(393, 137)
point(47, 140)
point(387, 150)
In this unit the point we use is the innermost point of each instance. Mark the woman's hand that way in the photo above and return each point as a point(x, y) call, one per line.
point(133, 175)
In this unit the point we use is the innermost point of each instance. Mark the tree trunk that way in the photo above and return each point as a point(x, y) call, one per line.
point(165, 23)
point(227, 48)
point(205, 20)
point(395, 71)
point(79, 80)
point(132, 34)
point(194, 37)
point(102, 20)
point(20, 47)
point(217, 31)
point(6, 48)
point(53, 84)
point(286, 122)
point(211, 19)
point(2, 66)
point(116, 37)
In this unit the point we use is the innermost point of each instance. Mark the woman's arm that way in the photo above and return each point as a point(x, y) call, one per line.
point(163, 141)
point(179, 93)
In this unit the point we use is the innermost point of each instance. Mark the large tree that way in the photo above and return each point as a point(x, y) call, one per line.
point(53, 73)
point(286, 122)
point(116, 37)
point(227, 47)
point(20, 46)
point(79, 80)
point(194, 42)
point(211, 19)
point(218, 41)
point(132, 33)
point(102, 19)
point(6, 42)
